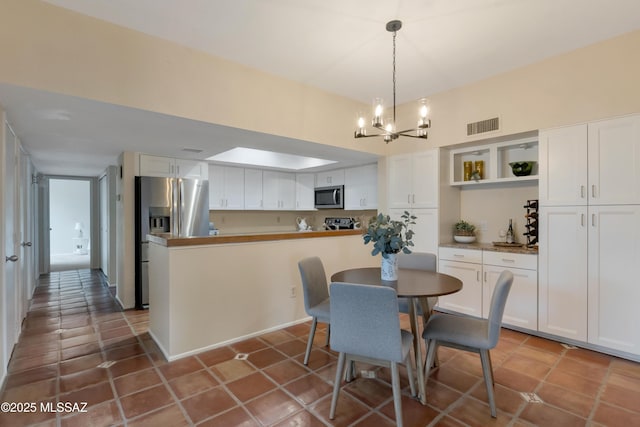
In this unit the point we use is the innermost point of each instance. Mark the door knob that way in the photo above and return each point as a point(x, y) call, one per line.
point(12, 258)
point(25, 244)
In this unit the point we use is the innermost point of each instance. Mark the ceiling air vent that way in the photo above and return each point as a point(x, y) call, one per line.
point(483, 126)
point(192, 150)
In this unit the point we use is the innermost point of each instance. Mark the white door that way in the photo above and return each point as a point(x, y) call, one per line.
point(562, 271)
point(614, 269)
point(400, 181)
point(425, 228)
point(563, 166)
point(469, 299)
point(10, 322)
point(104, 226)
point(614, 161)
point(27, 265)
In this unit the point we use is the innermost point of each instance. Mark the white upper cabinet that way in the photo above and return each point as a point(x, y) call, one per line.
point(253, 189)
point(563, 166)
point(329, 178)
point(305, 183)
point(226, 187)
point(596, 163)
point(614, 161)
point(361, 187)
point(413, 180)
point(169, 167)
point(278, 190)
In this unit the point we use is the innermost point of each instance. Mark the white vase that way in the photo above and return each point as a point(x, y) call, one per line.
point(389, 267)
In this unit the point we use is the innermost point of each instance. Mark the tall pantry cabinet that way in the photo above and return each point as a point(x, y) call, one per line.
point(589, 250)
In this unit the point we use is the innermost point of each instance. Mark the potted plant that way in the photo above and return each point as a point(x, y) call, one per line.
point(389, 237)
point(464, 232)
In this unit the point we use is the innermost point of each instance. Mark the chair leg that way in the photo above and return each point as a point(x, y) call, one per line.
point(409, 366)
point(487, 370)
point(336, 385)
point(326, 341)
point(432, 346)
point(395, 385)
point(312, 333)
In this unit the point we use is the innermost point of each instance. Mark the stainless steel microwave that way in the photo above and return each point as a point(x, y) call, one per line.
point(329, 197)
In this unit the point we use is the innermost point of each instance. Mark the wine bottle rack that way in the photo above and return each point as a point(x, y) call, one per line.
point(532, 222)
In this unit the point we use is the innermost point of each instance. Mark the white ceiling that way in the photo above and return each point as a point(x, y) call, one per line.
point(337, 45)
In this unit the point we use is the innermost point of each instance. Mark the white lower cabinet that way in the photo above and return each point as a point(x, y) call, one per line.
point(466, 265)
point(522, 303)
point(614, 272)
point(562, 271)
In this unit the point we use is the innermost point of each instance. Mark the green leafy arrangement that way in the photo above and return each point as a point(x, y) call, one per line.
point(464, 228)
point(390, 236)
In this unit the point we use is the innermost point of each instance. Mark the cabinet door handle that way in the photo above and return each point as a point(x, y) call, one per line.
point(408, 198)
point(582, 220)
point(477, 276)
point(582, 191)
point(485, 276)
point(458, 256)
point(593, 220)
point(413, 199)
point(593, 190)
point(508, 260)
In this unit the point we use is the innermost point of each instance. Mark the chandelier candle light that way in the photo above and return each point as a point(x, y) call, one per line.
point(388, 127)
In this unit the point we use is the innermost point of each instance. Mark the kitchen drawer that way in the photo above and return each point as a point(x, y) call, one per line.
point(507, 259)
point(463, 255)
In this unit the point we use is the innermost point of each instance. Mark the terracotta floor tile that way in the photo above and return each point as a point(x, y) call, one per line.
point(31, 392)
point(253, 385)
point(584, 369)
point(466, 362)
point(188, 385)
point(439, 395)
point(317, 359)
point(181, 367)
point(276, 337)
point(232, 370)
point(145, 401)
point(454, 378)
point(108, 334)
point(266, 357)
point(309, 388)
point(414, 414)
point(20, 419)
point(544, 415)
point(348, 410)
point(614, 416)
point(248, 346)
point(590, 357)
point(237, 417)
point(81, 363)
point(574, 402)
point(27, 363)
point(451, 422)
point(371, 392)
point(545, 345)
point(507, 400)
point(82, 379)
point(167, 416)
point(285, 371)
point(542, 356)
point(31, 376)
point(92, 395)
point(571, 382)
point(621, 379)
point(292, 348)
point(475, 413)
point(136, 381)
point(207, 404)
point(527, 366)
point(515, 380)
point(375, 419)
point(124, 352)
point(620, 396)
point(105, 414)
point(130, 365)
point(215, 356)
point(625, 367)
point(272, 407)
point(299, 330)
point(79, 350)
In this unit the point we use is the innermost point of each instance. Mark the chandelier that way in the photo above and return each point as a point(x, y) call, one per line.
point(388, 126)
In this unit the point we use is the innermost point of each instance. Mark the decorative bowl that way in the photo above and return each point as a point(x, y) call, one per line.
point(521, 168)
point(464, 239)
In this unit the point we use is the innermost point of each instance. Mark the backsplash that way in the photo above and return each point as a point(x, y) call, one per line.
point(231, 222)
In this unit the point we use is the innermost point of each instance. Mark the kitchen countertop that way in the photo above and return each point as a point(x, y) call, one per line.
point(491, 247)
point(171, 241)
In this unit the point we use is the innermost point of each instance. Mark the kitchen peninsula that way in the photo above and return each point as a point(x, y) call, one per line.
point(209, 291)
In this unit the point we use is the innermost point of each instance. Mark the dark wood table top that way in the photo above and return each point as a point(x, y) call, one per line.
point(410, 283)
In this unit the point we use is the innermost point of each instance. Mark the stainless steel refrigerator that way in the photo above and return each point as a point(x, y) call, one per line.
point(176, 206)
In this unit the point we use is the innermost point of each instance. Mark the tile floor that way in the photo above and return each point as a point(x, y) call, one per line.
point(77, 347)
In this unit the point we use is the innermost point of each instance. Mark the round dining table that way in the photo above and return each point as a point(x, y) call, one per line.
point(417, 286)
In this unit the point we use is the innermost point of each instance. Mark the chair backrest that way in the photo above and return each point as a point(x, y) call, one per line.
point(498, 302)
point(314, 281)
point(417, 261)
point(365, 321)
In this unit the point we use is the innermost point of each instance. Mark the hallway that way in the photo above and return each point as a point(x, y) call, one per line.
point(78, 347)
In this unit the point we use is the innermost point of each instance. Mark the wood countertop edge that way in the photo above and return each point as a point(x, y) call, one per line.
point(168, 241)
point(492, 248)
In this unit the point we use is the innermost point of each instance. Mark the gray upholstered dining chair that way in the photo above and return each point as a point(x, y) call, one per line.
point(366, 327)
point(417, 261)
point(471, 334)
point(316, 297)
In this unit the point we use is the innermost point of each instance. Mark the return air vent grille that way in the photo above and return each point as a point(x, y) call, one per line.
point(483, 126)
point(192, 150)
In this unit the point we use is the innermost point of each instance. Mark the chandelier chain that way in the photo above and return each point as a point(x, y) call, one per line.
point(394, 77)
